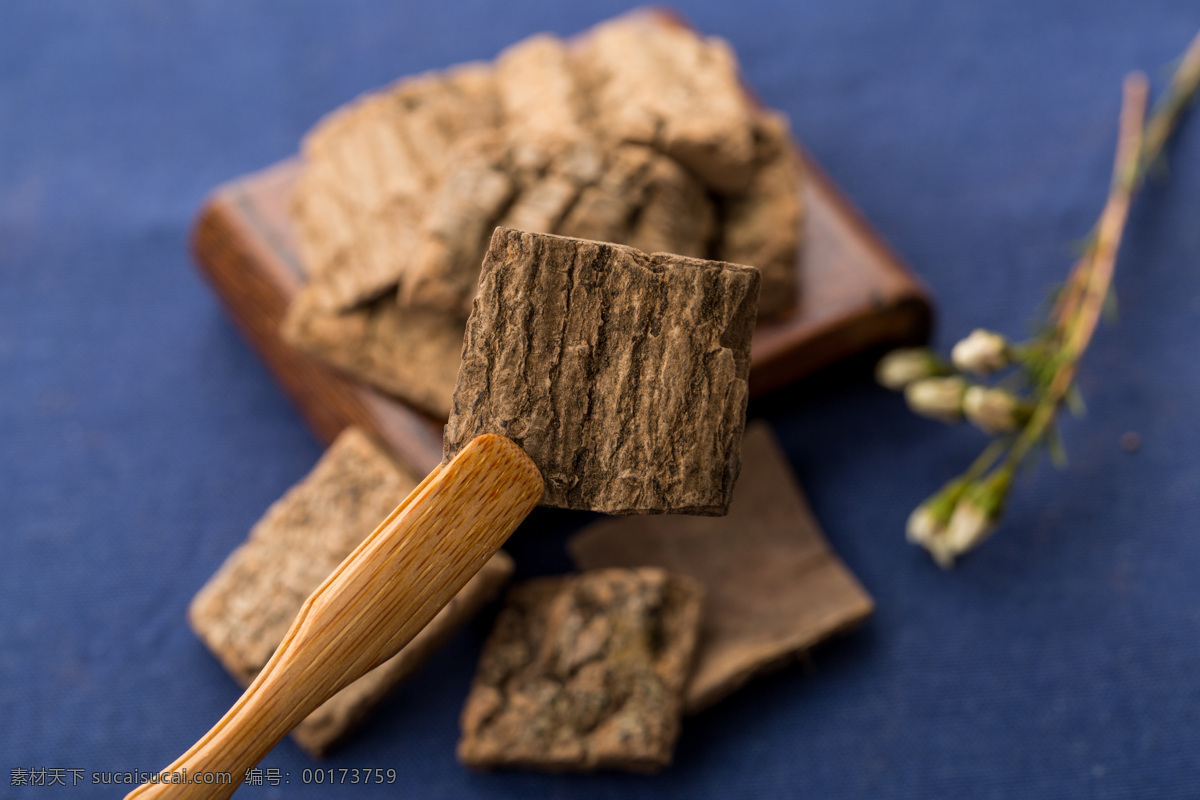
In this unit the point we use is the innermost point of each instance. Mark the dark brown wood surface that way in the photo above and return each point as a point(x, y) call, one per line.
point(855, 295)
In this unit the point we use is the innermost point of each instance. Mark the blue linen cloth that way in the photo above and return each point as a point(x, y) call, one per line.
point(140, 438)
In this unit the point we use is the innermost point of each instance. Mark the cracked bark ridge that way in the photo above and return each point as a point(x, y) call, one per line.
point(605, 207)
point(646, 200)
point(545, 197)
point(542, 102)
point(621, 374)
point(762, 225)
point(444, 270)
point(584, 672)
point(246, 608)
point(773, 587)
point(667, 87)
point(676, 215)
point(541, 205)
point(412, 354)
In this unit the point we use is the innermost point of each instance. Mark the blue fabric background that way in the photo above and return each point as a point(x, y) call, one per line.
point(140, 439)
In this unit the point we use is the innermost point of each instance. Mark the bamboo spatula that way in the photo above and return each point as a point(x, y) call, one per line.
point(381, 596)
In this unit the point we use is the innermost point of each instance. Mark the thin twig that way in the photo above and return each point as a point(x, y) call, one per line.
point(1092, 274)
point(1158, 129)
point(1168, 110)
point(965, 510)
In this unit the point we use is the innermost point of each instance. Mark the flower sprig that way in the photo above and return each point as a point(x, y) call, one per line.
point(1021, 410)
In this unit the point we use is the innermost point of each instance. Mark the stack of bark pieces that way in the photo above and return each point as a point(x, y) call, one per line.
point(622, 376)
point(638, 132)
point(593, 670)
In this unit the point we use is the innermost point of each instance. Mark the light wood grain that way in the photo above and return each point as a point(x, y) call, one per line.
point(385, 592)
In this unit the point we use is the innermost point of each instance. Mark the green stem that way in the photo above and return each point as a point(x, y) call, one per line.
point(1090, 279)
point(1052, 358)
point(985, 460)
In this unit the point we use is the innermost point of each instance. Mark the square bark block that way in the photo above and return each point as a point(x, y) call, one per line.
point(584, 672)
point(621, 374)
point(246, 608)
point(773, 587)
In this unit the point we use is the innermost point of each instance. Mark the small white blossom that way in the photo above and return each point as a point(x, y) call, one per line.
point(901, 367)
point(936, 398)
point(991, 410)
point(923, 526)
point(969, 525)
point(939, 549)
point(982, 353)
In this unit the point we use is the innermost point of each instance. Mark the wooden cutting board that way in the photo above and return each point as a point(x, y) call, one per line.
point(856, 296)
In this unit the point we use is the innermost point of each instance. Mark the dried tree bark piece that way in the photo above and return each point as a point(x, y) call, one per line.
point(541, 99)
point(368, 170)
point(621, 374)
point(357, 196)
point(444, 271)
point(774, 588)
point(677, 215)
point(646, 200)
point(543, 197)
point(411, 354)
point(762, 225)
point(541, 206)
point(582, 163)
point(605, 209)
point(677, 91)
point(459, 102)
point(546, 196)
point(245, 609)
point(584, 672)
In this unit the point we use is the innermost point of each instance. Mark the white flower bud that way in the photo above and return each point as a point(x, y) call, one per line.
point(901, 367)
point(936, 398)
point(991, 410)
point(940, 551)
point(923, 526)
point(969, 525)
point(982, 352)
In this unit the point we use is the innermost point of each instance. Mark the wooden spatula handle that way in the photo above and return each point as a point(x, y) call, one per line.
point(381, 596)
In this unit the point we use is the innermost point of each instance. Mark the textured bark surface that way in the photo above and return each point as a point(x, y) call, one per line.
point(638, 133)
point(606, 207)
point(475, 190)
point(411, 354)
point(676, 214)
point(541, 205)
point(679, 92)
point(245, 609)
point(541, 100)
point(773, 587)
point(584, 672)
point(369, 171)
point(762, 225)
point(621, 374)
